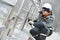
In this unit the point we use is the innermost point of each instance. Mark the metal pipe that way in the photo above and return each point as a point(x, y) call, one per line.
point(25, 19)
point(16, 18)
point(7, 22)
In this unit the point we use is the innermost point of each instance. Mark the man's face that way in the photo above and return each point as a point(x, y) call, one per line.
point(44, 12)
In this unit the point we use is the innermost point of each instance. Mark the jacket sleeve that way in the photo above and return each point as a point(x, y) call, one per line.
point(39, 25)
point(50, 21)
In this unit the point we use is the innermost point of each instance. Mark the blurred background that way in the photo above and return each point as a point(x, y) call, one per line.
point(14, 14)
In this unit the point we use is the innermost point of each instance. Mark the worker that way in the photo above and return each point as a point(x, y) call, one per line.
point(43, 25)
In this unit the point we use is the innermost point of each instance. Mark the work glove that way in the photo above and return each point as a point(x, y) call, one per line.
point(30, 21)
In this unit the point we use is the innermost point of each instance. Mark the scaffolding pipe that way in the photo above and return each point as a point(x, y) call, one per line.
point(7, 21)
point(26, 18)
point(16, 18)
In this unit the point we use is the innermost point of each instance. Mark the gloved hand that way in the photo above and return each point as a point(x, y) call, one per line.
point(31, 22)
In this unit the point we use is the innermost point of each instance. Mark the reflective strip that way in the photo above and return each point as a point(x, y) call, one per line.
point(43, 34)
point(51, 28)
point(35, 36)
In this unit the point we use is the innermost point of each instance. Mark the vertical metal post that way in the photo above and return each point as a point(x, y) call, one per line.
point(26, 18)
point(7, 22)
point(16, 18)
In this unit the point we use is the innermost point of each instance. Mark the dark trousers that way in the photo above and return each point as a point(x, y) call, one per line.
point(35, 31)
point(39, 28)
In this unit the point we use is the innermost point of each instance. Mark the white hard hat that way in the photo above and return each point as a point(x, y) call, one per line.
point(48, 5)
